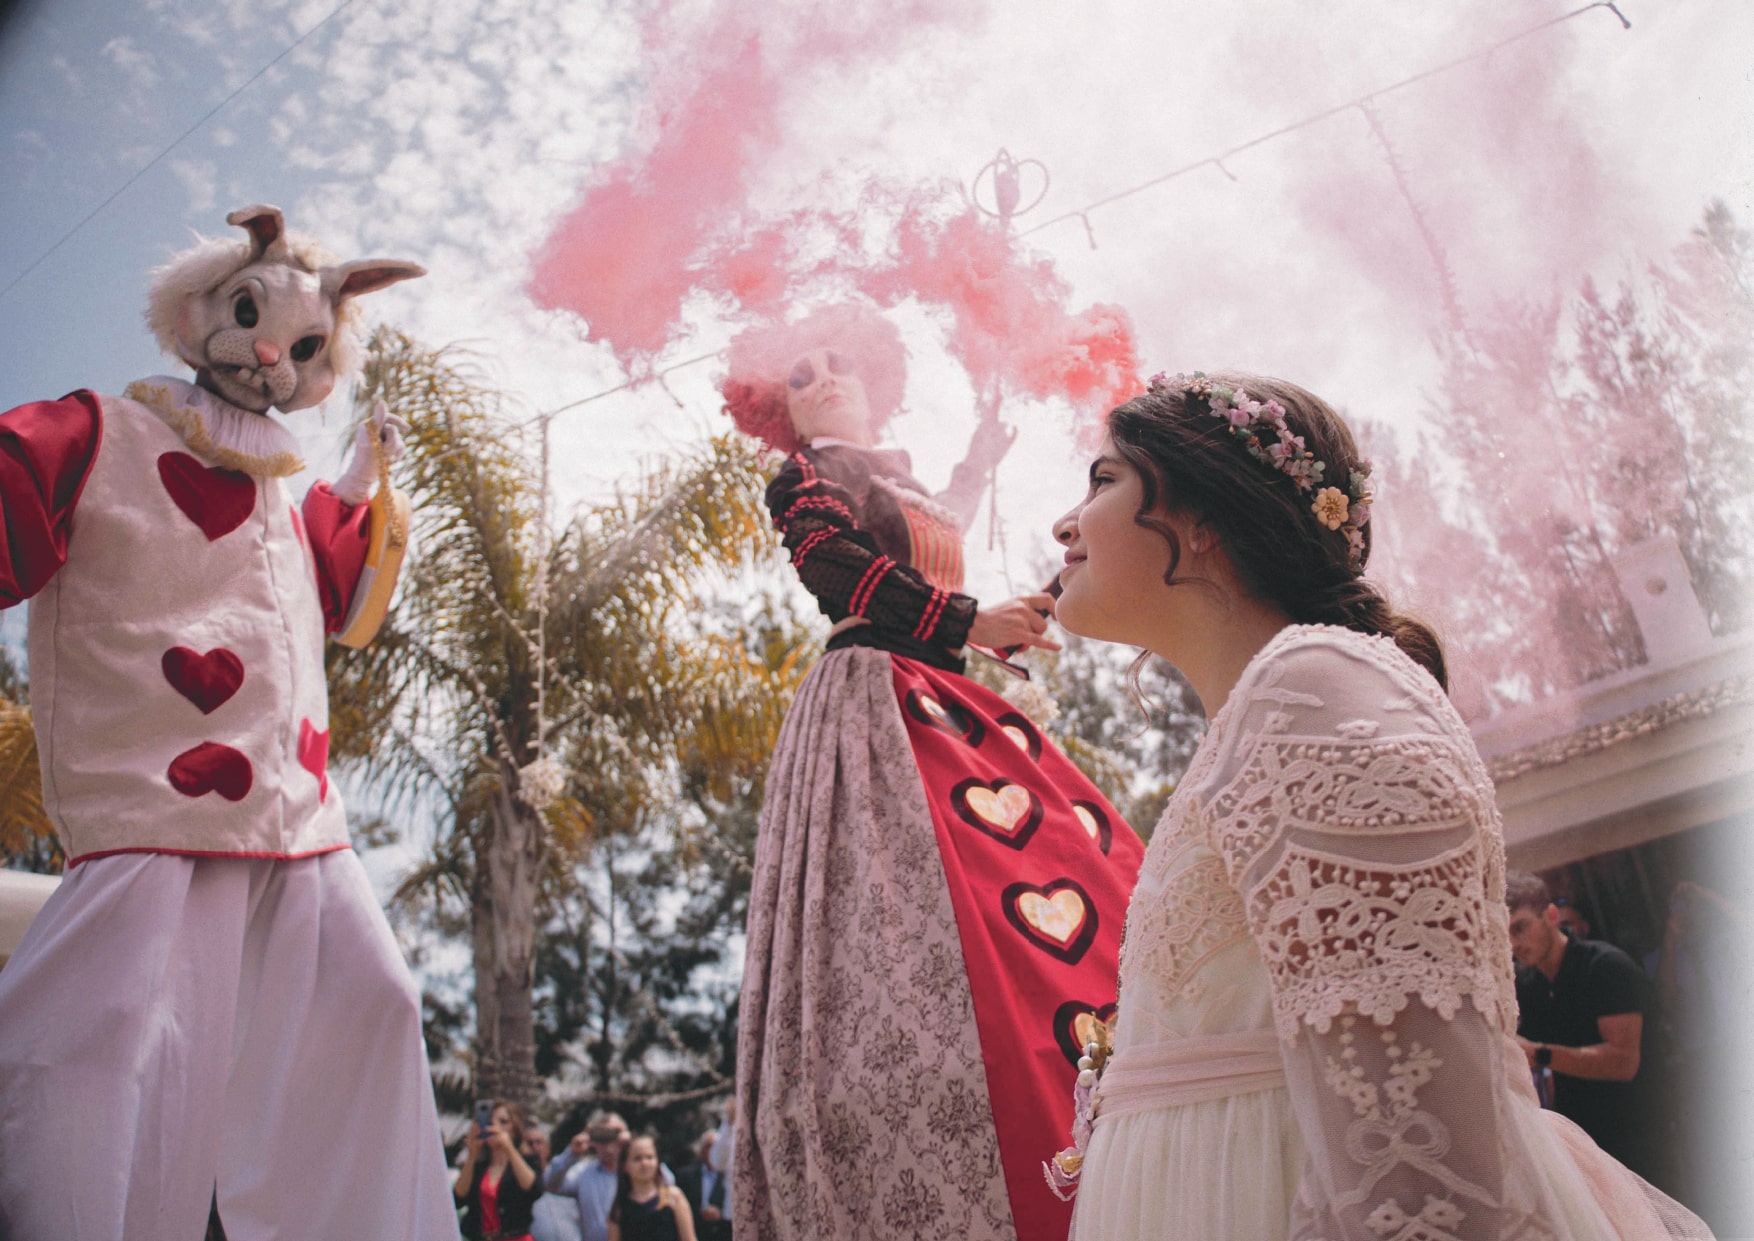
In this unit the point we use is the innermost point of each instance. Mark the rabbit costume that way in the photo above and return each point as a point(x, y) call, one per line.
point(211, 1007)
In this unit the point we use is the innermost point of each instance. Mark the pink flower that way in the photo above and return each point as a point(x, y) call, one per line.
point(1289, 448)
point(1330, 507)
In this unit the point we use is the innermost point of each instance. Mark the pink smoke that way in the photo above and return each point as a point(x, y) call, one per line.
point(672, 219)
point(1010, 320)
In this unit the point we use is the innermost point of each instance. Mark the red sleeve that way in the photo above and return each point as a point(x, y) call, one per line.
point(339, 533)
point(842, 565)
point(46, 452)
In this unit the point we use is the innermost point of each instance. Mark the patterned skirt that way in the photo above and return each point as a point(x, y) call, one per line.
point(936, 911)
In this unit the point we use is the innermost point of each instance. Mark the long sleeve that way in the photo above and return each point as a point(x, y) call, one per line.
point(843, 566)
point(1354, 819)
point(723, 1158)
point(339, 535)
point(554, 1175)
point(46, 453)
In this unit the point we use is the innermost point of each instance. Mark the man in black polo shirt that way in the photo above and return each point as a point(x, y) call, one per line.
point(1583, 1005)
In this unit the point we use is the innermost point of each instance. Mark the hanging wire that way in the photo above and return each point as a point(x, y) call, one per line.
point(181, 138)
point(1082, 214)
point(1217, 161)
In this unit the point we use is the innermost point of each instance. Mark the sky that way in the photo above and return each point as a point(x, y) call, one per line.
point(461, 135)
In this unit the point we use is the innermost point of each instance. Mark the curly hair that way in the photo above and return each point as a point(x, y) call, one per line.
point(759, 360)
point(1189, 463)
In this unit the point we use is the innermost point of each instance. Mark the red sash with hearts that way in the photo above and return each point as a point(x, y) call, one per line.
point(1040, 868)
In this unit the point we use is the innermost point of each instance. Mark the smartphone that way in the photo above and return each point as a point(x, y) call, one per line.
point(483, 1117)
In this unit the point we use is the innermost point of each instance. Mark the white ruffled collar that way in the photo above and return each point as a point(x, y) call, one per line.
point(226, 435)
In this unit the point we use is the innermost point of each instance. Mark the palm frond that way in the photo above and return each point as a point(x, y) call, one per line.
point(23, 821)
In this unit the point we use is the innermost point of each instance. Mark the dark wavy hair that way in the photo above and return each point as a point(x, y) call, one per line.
point(1190, 464)
point(760, 358)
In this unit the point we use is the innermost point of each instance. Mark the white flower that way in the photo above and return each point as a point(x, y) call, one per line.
point(1330, 507)
point(1034, 701)
point(541, 783)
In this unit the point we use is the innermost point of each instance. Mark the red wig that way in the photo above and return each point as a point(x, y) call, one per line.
point(760, 359)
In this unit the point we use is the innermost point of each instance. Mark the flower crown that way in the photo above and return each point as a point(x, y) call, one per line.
point(1251, 423)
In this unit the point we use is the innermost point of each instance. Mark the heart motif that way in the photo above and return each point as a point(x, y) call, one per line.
point(1058, 917)
point(207, 680)
point(1023, 734)
point(313, 755)
point(1075, 1024)
point(1095, 824)
point(215, 499)
point(211, 768)
point(1007, 812)
point(952, 719)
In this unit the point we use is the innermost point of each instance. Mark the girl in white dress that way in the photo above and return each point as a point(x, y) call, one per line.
point(1316, 1004)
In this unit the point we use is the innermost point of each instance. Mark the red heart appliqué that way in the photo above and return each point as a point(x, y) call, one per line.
point(212, 768)
point(313, 755)
point(1058, 917)
point(215, 499)
point(1073, 1022)
point(205, 680)
point(1004, 809)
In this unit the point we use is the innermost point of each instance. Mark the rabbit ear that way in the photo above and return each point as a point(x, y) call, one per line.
point(345, 280)
point(264, 223)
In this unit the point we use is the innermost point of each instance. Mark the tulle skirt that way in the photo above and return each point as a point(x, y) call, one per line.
point(1229, 1170)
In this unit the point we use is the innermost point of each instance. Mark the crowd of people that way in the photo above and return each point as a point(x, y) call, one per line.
point(607, 1183)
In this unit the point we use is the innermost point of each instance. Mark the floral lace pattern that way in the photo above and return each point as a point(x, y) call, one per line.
point(1189, 915)
point(1390, 1128)
point(1337, 935)
point(872, 1119)
point(1337, 817)
point(1365, 872)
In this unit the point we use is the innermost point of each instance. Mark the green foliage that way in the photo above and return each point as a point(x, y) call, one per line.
point(589, 644)
point(27, 838)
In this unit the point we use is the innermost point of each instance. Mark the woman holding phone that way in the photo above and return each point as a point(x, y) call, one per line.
point(497, 1186)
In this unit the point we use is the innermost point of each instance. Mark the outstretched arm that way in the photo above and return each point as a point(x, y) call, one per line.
point(987, 447)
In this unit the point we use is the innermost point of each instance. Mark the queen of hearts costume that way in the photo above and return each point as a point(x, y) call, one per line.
point(935, 910)
point(211, 1005)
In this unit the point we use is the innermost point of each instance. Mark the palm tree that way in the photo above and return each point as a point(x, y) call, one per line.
point(27, 838)
point(543, 687)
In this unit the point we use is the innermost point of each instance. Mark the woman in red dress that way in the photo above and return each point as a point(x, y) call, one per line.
point(936, 908)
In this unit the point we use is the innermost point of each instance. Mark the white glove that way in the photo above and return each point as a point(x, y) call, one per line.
point(359, 480)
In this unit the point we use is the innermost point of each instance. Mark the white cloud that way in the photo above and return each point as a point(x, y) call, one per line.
point(135, 64)
point(199, 181)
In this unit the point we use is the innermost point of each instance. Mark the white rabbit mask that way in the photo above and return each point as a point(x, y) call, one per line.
point(264, 323)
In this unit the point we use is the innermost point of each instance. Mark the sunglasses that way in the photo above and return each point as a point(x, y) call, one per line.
point(804, 374)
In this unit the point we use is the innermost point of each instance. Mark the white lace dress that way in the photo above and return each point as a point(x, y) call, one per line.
point(1316, 989)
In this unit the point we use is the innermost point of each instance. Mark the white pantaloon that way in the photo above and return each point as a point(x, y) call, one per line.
point(171, 1027)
